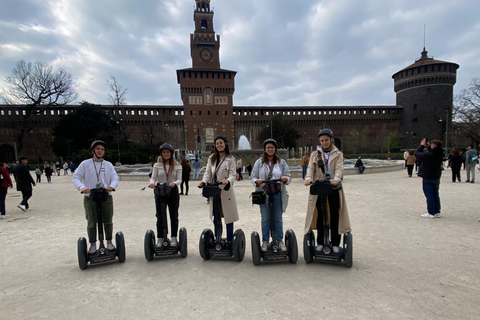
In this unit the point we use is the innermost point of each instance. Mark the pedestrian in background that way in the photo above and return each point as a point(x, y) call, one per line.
point(38, 173)
point(411, 160)
point(305, 159)
point(455, 163)
point(48, 174)
point(24, 182)
point(196, 168)
point(185, 176)
point(471, 158)
point(359, 165)
point(5, 183)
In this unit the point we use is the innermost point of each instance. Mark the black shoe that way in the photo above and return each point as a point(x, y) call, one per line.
point(473, 181)
point(467, 181)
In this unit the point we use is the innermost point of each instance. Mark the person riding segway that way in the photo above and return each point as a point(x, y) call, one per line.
point(217, 185)
point(96, 179)
point(166, 176)
point(269, 176)
point(327, 210)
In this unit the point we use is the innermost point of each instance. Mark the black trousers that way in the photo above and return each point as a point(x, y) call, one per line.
point(410, 169)
point(26, 194)
point(334, 205)
point(173, 202)
point(456, 174)
point(186, 185)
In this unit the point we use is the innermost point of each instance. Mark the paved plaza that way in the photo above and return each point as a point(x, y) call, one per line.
point(405, 266)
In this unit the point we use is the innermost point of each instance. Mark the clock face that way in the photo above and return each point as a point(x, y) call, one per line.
point(206, 54)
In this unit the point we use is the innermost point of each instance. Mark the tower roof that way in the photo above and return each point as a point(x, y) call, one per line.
point(425, 60)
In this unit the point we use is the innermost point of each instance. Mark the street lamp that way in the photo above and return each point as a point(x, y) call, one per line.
point(117, 121)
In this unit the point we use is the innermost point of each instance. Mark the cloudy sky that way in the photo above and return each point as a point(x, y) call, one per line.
point(300, 52)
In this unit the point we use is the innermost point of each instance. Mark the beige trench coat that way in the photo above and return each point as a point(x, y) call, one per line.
point(227, 171)
point(315, 173)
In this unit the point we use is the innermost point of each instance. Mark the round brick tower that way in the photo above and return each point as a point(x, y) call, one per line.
point(425, 91)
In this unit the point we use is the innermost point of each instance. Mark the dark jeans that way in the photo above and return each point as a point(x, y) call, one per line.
point(3, 196)
point(430, 189)
point(409, 169)
point(173, 202)
point(26, 194)
point(334, 205)
point(304, 172)
point(239, 171)
point(229, 229)
point(39, 178)
point(49, 178)
point(361, 169)
point(456, 174)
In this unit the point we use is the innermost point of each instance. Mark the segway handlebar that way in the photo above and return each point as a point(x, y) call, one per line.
point(101, 189)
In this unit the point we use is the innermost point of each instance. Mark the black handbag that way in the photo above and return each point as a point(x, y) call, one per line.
point(321, 188)
point(162, 191)
point(258, 197)
point(211, 191)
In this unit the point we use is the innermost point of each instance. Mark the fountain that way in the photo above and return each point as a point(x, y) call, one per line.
point(243, 143)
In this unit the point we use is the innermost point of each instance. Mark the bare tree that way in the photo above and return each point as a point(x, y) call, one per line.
point(117, 96)
point(467, 109)
point(37, 86)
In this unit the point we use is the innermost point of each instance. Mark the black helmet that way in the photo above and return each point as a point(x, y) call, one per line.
point(97, 142)
point(272, 141)
point(166, 146)
point(220, 137)
point(328, 132)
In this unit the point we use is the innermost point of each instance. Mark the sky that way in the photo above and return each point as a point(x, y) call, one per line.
point(286, 53)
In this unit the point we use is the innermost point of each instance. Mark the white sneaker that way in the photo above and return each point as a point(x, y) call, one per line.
point(174, 242)
point(437, 215)
point(264, 246)
point(428, 215)
point(22, 207)
point(319, 248)
point(336, 249)
point(4, 216)
point(110, 246)
point(281, 246)
point(159, 243)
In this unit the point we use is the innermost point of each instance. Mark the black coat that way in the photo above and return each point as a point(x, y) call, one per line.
point(430, 162)
point(22, 177)
point(455, 162)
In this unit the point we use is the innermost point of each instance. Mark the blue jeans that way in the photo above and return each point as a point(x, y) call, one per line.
point(277, 214)
point(229, 229)
point(304, 172)
point(430, 189)
point(196, 173)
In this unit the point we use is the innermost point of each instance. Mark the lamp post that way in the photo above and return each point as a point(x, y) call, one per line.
point(118, 141)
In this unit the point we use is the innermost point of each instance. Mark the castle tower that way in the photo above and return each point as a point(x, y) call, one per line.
point(425, 91)
point(206, 89)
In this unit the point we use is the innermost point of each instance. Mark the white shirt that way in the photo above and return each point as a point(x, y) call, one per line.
point(90, 173)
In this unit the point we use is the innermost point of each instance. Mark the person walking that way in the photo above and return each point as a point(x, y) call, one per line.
point(411, 160)
point(65, 169)
point(97, 173)
point(58, 168)
point(249, 170)
point(239, 169)
point(48, 173)
point(196, 168)
point(304, 164)
point(221, 167)
point(431, 158)
point(24, 182)
point(168, 171)
point(471, 158)
point(5, 183)
point(455, 163)
point(268, 167)
point(328, 156)
point(185, 176)
point(38, 173)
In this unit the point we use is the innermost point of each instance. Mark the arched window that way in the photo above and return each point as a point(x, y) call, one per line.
point(204, 24)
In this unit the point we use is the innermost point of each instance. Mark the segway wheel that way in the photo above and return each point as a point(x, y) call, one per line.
point(308, 247)
point(82, 253)
point(348, 249)
point(239, 245)
point(120, 241)
point(256, 249)
point(291, 242)
point(148, 245)
point(183, 242)
point(206, 240)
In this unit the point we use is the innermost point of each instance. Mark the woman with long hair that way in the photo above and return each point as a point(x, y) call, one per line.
point(167, 170)
point(221, 166)
point(331, 159)
point(455, 162)
point(185, 176)
point(270, 166)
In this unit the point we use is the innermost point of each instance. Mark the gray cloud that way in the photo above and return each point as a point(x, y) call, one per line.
point(286, 53)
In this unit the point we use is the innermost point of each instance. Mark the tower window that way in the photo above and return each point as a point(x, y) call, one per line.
point(204, 24)
point(415, 106)
point(199, 112)
point(415, 119)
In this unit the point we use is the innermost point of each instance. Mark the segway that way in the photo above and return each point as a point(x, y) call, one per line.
point(273, 252)
point(162, 190)
point(322, 188)
point(100, 195)
point(216, 246)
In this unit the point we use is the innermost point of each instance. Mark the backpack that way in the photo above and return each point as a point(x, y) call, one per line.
point(474, 158)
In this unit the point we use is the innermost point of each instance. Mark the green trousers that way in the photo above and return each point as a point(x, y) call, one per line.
point(92, 218)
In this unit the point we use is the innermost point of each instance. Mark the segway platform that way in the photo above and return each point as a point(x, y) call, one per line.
point(151, 250)
point(209, 247)
point(327, 254)
point(273, 253)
